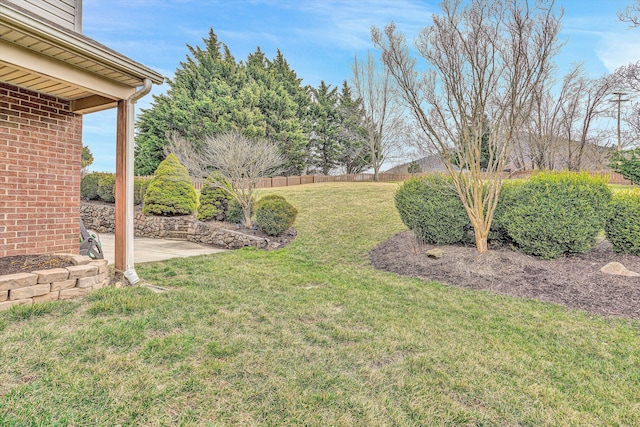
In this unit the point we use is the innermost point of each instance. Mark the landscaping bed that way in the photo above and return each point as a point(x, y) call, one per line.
point(100, 216)
point(27, 263)
point(573, 281)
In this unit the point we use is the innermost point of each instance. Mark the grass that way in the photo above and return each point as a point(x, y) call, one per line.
point(623, 187)
point(312, 335)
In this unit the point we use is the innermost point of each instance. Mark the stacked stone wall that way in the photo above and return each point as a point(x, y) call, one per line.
point(100, 218)
point(54, 283)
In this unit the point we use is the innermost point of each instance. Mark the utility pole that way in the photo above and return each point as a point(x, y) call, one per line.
point(619, 101)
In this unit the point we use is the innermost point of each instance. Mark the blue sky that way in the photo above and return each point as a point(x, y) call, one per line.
point(318, 38)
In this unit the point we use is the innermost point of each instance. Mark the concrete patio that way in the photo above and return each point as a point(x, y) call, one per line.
point(149, 250)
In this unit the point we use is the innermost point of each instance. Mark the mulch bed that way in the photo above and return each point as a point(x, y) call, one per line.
point(29, 263)
point(573, 281)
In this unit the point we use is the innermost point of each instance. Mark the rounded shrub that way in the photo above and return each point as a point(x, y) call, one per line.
point(275, 215)
point(553, 214)
point(431, 208)
point(235, 215)
point(139, 188)
point(268, 197)
point(214, 201)
point(107, 187)
point(89, 186)
point(623, 223)
point(171, 191)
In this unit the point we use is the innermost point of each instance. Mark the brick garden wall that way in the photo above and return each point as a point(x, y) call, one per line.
point(40, 165)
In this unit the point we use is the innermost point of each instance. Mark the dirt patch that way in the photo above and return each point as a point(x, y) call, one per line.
point(28, 263)
point(573, 281)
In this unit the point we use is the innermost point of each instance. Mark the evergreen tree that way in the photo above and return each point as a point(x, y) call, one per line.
point(354, 155)
point(323, 148)
point(211, 93)
point(627, 163)
point(278, 108)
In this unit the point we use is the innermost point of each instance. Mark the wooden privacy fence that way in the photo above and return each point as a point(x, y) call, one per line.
point(287, 181)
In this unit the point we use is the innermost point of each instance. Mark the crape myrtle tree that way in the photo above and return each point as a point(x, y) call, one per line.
point(232, 162)
point(212, 93)
point(484, 62)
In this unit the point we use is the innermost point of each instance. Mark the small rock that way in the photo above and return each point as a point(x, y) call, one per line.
point(117, 285)
point(618, 269)
point(435, 253)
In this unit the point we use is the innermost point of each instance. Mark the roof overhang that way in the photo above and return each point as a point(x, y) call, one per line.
point(41, 56)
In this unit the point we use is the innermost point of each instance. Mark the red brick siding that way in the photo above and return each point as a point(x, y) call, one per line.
point(40, 162)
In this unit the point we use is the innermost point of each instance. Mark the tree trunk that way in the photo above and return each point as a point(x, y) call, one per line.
point(247, 216)
point(481, 236)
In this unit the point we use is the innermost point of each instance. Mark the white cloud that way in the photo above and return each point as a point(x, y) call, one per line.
point(617, 49)
point(347, 24)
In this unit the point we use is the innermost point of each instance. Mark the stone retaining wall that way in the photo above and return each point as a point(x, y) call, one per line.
point(55, 283)
point(100, 217)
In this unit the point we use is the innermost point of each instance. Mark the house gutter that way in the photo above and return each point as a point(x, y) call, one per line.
point(129, 270)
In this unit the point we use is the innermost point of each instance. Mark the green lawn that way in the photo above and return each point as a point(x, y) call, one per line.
point(312, 335)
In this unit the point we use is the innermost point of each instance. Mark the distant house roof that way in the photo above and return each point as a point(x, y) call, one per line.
point(45, 57)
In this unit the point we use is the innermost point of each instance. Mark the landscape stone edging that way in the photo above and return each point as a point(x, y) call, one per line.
point(54, 284)
point(101, 218)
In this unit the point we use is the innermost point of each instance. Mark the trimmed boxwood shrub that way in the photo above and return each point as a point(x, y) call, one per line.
point(171, 191)
point(214, 202)
point(235, 214)
point(557, 213)
point(508, 193)
point(89, 186)
point(139, 188)
point(431, 208)
point(267, 198)
point(623, 223)
point(275, 215)
point(107, 187)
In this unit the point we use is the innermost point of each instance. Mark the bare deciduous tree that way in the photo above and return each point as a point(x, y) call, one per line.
point(240, 163)
point(485, 60)
point(585, 102)
point(563, 132)
point(383, 117)
point(629, 81)
point(539, 144)
point(631, 14)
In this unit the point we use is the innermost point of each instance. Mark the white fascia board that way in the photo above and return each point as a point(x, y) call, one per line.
point(77, 43)
point(30, 61)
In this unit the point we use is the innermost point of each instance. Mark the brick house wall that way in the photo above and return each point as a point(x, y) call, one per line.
point(40, 167)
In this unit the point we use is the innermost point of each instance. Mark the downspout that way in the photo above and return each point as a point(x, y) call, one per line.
point(129, 270)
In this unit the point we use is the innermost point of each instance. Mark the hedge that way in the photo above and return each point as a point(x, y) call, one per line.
point(623, 223)
point(553, 214)
point(431, 208)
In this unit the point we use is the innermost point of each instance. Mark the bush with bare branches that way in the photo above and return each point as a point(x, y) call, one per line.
point(240, 162)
